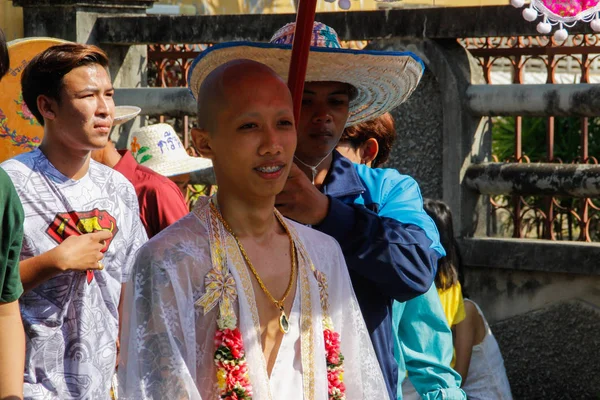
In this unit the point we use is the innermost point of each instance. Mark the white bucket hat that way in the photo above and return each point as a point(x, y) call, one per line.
point(124, 114)
point(158, 147)
point(383, 79)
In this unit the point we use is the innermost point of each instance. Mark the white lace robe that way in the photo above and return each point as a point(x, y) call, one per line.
point(168, 341)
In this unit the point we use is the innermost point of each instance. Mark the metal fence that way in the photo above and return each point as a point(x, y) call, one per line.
point(523, 60)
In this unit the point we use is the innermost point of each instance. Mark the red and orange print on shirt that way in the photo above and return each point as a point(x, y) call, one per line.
point(76, 223)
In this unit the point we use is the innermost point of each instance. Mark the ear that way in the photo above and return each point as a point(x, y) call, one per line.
point(201, 139)
point(369, 151)
point(47, 107)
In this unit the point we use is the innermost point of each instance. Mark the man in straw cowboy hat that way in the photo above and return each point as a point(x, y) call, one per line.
point(82, 227)
point(12, 340)
point(234, 301)
point(390, 244)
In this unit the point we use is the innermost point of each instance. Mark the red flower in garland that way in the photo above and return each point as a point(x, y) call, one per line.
point(335, 370)
point(232, 339)
point(332, 346)
point(233, 381)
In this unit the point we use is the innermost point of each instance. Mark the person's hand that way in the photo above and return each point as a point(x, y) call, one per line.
point(81, 253)
point(300, 200)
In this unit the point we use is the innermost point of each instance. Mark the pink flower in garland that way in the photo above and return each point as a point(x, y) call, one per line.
point(332, 346)
point(335, 384)
point(233, 381)
point(335, 370)
point(232, 339)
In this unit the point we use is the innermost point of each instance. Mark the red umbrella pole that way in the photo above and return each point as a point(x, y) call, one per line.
point(300, 48)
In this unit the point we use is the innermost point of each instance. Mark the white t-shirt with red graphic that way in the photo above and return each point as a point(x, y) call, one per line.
point(71, 320)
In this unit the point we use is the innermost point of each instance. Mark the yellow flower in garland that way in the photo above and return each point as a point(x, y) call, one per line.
point(221, 379)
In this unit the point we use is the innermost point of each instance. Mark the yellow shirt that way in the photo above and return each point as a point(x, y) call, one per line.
point(454, 308)
point(452, 302)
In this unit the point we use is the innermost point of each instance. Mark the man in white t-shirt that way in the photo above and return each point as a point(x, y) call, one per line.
point(82, 228)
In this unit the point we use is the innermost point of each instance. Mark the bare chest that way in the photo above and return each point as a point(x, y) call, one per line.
point(274, 285)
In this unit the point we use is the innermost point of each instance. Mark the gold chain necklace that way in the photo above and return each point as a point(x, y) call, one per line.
point(284, 325)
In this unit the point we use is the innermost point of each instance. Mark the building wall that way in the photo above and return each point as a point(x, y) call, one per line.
point(546, 325)
point(287, 6)
point(11, 20)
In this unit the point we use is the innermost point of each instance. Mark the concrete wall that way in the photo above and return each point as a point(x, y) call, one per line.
point(417, 150)
point(506, 293)
point(546, 325)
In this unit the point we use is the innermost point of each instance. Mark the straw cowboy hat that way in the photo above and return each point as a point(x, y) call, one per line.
point(158, 147)
point(383, 80)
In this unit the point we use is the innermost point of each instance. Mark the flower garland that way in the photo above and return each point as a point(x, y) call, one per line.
point(333, 354)
point(233, 381)
point(335, 361)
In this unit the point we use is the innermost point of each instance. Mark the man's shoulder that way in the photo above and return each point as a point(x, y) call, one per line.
point(380, 183)
point(97, 168)
point(21, 161)
point(152, 181)
point(101, 173)
point(314, 239)
point(187, 230)
point(378, 177)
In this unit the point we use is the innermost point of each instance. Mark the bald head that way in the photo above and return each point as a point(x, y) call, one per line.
point(233, 79)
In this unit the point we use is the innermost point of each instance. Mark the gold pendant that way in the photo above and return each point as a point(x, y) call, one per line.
point(284, 325)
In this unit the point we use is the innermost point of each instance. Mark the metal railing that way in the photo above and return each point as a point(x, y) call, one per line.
point(549, 139)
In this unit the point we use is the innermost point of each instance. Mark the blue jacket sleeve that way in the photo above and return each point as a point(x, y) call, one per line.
point(391, 249)
point(425, 341)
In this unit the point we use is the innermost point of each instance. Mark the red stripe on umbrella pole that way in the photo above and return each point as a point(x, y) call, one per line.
point(300, 48)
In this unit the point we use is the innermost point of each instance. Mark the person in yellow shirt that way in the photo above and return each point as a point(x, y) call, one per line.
point(477, 356)
point(449, 274)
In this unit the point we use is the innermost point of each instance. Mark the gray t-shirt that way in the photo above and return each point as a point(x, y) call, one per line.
point(71, 320)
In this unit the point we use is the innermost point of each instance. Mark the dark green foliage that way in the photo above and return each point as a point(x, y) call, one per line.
point(567, 148)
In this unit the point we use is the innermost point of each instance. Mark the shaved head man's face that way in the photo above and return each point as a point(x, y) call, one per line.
point(246, 120)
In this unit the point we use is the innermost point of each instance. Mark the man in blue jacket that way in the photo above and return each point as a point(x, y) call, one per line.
point(390, 244)
point(423, 340)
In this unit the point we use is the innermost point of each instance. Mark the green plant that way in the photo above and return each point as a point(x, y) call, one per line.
point(567, 148)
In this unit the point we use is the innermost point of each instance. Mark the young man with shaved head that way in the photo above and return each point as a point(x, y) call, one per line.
point(390, 244)
point(81, 228)
point(233, 300)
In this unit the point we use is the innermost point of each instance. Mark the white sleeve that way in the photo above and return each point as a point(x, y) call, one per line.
point(137, 234)
point(156, 359)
